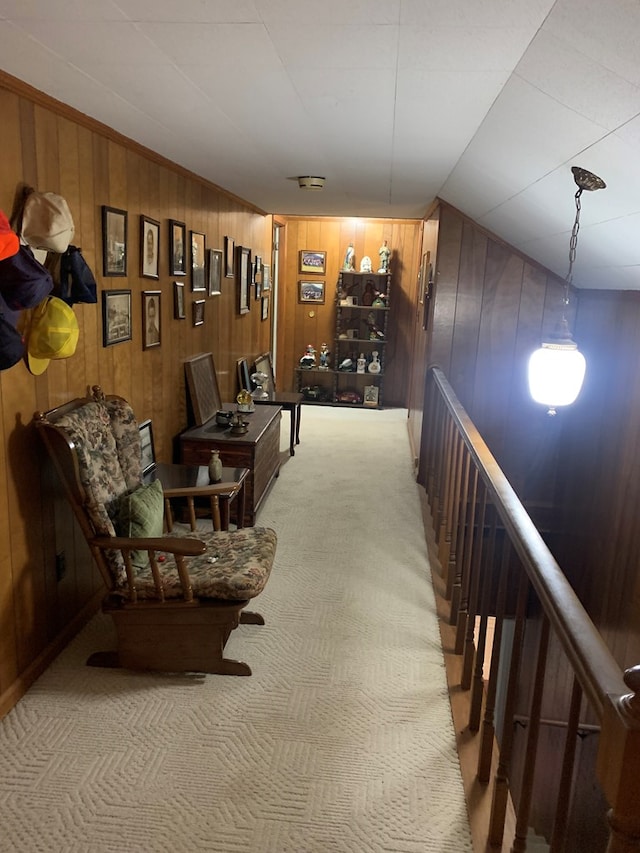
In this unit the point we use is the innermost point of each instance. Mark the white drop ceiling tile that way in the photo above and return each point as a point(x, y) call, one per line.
point(311, 12)
point(584, 85)
point(481, 13)
point(61, 10)
point(608, 32)
point(443, 107)
point(613, 278)
point(525, 135)
point(220, 11)
point(232, 48)
point(462, 48)
point(86, 43)
point(335, 46)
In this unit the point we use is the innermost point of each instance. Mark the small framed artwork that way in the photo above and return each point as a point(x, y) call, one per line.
point(149, 247)
point(242, 370)
point(178, 301)
point(263, 364)
point(150, 319)
point(198, 261)
point(116, 317)
point(265, 307)
point(114, 241)
point(177, 240)
point(146, 446)
point(229, 257)
point(215, 272)
point(266, 278)
point(202, 382)
point(243, 268)
point(197, 309)
point(311, 291)
point(312, 261)
point(370, 396)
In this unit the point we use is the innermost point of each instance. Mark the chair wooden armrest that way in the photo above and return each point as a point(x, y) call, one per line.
point(212, 491)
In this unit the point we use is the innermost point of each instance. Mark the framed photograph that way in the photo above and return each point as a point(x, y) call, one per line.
point(243, 269)
point(116, 317)
point(146, 446)
point(264, 365)
point(202, 382)
point(150, 319)
point(149, 247)
point(311, 291)
point(242, 370)
point(178, 301)
point(197, 308)
point(266, 278)
point(215, 272)
point(229, 257)
point(114, 241)
point(265, 307)
point(370, 396)
point(177, 240)
point(198, 261)
point(312, 261)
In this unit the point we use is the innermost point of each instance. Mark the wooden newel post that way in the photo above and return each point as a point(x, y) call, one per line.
point(618, 766)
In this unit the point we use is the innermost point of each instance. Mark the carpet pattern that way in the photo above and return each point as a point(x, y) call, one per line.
point(342, 738)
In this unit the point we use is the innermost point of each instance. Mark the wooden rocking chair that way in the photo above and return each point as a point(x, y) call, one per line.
point(174, 599)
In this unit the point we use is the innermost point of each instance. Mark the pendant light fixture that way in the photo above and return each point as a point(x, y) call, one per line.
point(556, 370)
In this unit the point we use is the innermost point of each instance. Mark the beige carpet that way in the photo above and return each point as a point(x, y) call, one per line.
point(341, 740)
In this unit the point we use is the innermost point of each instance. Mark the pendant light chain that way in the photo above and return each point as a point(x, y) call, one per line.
point(573, 245)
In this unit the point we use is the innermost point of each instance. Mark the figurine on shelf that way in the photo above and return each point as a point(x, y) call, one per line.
point(379, 302)
point(375, 333)
point(365, 264)
point(370, 293)
point(324, 357)
point(385, 254)
point(349, 258)
point(308, 360)
point(374, 364)
point(361, 364)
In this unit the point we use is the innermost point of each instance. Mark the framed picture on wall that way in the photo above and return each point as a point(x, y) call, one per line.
point(229, 257)
point(178, 301)
point(197, 308)
point(311, 291)
point(243, 271)
point(266, 278)
point(313, 261)
point(177, 240)
point(149, 247)
point(265, 307)
point(198, 261)
point(114, 241)
point(150, 319)
point(215, 272)
point(116, 316)
point(146, 446)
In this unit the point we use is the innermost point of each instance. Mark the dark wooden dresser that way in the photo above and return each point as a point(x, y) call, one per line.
point(258, 450)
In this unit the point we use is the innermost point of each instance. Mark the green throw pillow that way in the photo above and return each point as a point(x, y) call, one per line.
point(141, 513)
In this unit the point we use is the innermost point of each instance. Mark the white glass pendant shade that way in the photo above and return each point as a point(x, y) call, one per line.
point(556, 373)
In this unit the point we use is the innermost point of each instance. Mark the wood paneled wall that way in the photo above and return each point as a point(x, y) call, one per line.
point(305, 324)
point(491, 309)
point(49, 146)
point(579, 470)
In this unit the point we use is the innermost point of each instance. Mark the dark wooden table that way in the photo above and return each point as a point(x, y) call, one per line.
point(191, 482)
point(289, 401)
point(258, 450)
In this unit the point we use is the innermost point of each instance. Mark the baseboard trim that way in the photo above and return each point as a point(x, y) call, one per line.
point(10, 697)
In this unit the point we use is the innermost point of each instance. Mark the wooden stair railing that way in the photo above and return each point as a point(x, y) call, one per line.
point(496, 564)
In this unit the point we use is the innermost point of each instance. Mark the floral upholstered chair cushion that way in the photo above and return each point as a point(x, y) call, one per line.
point(236, 564)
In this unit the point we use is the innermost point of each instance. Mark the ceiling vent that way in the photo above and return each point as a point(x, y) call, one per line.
point(310, 182)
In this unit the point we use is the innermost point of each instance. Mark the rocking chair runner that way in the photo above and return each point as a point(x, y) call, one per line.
point(174, 599)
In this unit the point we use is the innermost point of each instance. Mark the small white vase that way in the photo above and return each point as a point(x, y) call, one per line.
point(215, 467)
